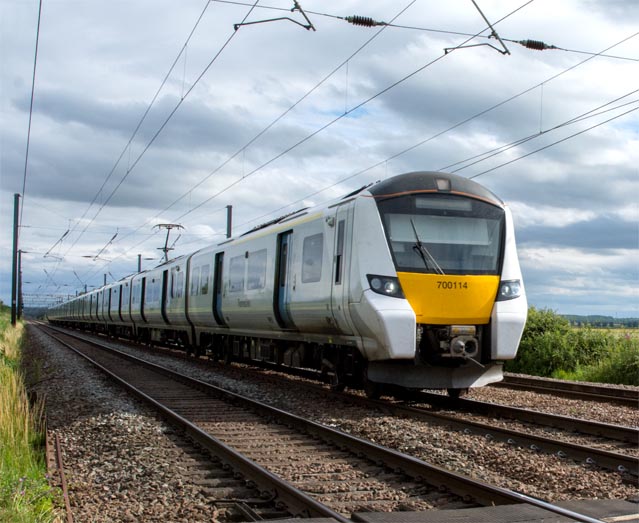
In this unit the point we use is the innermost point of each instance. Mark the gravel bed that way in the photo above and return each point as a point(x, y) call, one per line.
point(539, 475)
point(121, 463)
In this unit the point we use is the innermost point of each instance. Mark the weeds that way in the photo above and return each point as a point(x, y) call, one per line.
point(25, 495)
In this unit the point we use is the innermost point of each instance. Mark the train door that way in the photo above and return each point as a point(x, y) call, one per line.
point(142, 296)
point(165, 295)
point(341, 268)
point(218, 288)
point(281, 296)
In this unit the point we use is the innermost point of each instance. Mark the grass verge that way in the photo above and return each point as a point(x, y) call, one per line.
point(25, 495)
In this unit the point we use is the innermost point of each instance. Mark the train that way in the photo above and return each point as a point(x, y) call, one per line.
point(412, 282)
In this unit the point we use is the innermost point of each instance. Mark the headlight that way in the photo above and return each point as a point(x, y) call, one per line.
point(386, 285)
point(509, 290)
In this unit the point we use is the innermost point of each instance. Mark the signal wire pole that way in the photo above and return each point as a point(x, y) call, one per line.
point(168, 227)
point(14, 269)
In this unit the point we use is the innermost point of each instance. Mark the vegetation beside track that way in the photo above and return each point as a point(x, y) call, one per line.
point(25, 495)
point(551, 347)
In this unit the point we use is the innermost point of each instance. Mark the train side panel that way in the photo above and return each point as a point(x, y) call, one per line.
point(508, 317)
point(309, 306)
point(200, 302)
point(248, 276)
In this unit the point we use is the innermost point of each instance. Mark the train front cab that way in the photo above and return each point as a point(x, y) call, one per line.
point(453, 248)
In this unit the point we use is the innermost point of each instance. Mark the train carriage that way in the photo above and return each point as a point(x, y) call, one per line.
point(413, 281)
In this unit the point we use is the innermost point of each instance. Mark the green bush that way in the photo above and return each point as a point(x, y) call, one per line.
point(544, 345)
point(621, 365)
point(550, 347)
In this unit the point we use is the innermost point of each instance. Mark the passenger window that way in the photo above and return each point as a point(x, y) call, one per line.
point(195, 281)
point(312, 251)
point(204, 285)
point(236, 276)
point(256, 271)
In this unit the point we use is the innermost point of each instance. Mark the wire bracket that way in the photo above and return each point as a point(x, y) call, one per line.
point(296, 7)
point(493, 34)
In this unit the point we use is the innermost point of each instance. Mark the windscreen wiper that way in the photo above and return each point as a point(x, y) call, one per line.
point(426, 256)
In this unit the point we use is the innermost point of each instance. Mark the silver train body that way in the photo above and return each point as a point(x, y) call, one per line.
point(413, 282)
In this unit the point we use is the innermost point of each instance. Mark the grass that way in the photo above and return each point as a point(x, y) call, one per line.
point(25, 495)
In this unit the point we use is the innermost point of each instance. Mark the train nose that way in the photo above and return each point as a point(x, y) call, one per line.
point(465, 346)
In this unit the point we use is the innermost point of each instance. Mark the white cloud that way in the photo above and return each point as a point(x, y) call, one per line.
point(99, 66)
point(547, 216)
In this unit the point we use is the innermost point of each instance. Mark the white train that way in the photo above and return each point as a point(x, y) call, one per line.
point(413, 281)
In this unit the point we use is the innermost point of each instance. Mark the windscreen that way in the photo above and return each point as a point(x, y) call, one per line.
point(443, 234)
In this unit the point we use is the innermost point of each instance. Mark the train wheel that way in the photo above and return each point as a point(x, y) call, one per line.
point(228, 352)
point(337, 382)
point(457, 393)
point(372, 390)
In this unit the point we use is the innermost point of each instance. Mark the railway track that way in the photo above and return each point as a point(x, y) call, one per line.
point(590, 455)
point(339, 475)
point(586, 391)
point(567, 423)
point(616, 436)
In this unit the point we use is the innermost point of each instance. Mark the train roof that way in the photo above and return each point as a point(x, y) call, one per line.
point(430, 181)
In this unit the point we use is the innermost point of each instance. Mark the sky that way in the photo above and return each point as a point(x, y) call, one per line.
point(148, 113)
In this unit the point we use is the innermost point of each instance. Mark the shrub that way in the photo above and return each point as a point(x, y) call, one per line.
point(620, 366)
point(544, 346)
point(550, 347)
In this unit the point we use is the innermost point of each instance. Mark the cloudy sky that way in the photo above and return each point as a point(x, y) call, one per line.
point(274, 117)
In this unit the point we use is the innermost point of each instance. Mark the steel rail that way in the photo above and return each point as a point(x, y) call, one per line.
point(54, 458)
point(611, 460)
point(594, 428)
point(585, 391)
point(63, 479)
point(409, 465)
point(297, 501)
point(614, 461)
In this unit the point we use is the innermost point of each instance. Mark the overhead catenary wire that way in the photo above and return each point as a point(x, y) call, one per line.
point(135, 131)
point(598, 111)
point(497, 151)
point(340, 117)
point(148, 109)
point(367, 21)
point(441, 133)
point(131, 167)
point(600, 55)
point(552, 144)
point(491, 108)
point(270, 125)
point(262, 132)
point(33, 80)
point(163, 125)
point(229, 186)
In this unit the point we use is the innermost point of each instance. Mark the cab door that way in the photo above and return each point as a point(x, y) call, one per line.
point(342, 247)
point(218, 269)
point(281, 296)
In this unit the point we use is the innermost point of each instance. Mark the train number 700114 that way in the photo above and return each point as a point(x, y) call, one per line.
point(451, 285)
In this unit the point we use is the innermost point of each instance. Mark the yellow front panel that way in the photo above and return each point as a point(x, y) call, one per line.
point(446, 300)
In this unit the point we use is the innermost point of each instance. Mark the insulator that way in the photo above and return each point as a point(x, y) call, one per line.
point(362, 20)
point(536, 44)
